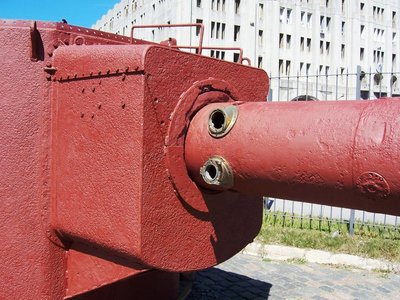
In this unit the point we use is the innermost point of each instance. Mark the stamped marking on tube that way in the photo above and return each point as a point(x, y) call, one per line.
point(373, 186)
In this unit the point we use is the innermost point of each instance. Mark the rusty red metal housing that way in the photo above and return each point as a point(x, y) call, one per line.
point(93, 170)
point(107, 142)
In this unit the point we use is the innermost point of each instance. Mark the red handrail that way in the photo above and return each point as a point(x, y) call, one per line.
point(201, 33)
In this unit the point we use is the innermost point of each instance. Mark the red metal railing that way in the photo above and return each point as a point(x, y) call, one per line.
point(201, 33)
point(240, 50)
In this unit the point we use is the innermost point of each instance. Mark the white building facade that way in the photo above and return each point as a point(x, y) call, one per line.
point(289, 39)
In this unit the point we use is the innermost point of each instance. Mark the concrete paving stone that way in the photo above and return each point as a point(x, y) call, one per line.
point(326, 288)
point(382, 289)
point(319, 298)
point(290, 286)
point(244, 275)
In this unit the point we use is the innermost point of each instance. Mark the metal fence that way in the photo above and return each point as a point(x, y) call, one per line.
point(341, 85)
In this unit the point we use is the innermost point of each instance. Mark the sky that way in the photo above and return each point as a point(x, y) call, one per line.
point(81, 13)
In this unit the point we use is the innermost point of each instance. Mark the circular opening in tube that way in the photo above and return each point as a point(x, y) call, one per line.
point(217, 119)
point(211, 173)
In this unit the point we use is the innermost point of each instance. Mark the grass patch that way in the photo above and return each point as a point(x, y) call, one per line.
point(368, 241)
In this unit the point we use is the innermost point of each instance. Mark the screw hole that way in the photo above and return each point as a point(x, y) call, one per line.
point(211, 172)
point(123, 106)
point(99, 106)
point(218, 119)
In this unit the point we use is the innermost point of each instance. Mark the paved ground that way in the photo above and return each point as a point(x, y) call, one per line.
point(248, 277)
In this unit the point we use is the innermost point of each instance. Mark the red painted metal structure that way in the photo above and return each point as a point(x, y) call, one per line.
point(103, 138)
point(336, 153)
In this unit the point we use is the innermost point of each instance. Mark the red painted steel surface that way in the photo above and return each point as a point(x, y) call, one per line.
point(341, 153)
point(36, 264)
point(97, 133)
point(32, 267)
point(112, 180)
point(92, 167)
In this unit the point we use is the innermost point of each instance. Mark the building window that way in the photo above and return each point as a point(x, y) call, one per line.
point(218, 4)
point(362, 27)
point(303, 18)
point(308, 67)
point(198, 3)
point(309, 20)
point(235, 57)
point(343, 51)
point(301, 43)
point(361, 54)
point(237, 6)
point(301, 68)
point(260, 38)
point(261, 11)
point(223, 31)
point(281, 66)
point(322, 22)
point(212, 4)
point(309, 45)
point(281, 14)
point(198, 21)
point(343, 27)
point(362, 4)
point(327, 70)
point(289, 16)
point(394, 19)
point(287, 67)
point(328, 23)
point(223, 9)
point(328, 47)
point(212, 29)
point(321, 67)
point(218, 30)
point(321, 47)
point(236, 33)
point(288, 41)
point(281, 40)
point(260, 62)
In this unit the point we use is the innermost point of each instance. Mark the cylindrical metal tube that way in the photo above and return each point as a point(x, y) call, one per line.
point(339, 153)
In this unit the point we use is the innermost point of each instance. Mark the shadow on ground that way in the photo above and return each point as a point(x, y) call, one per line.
point(218, 284)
